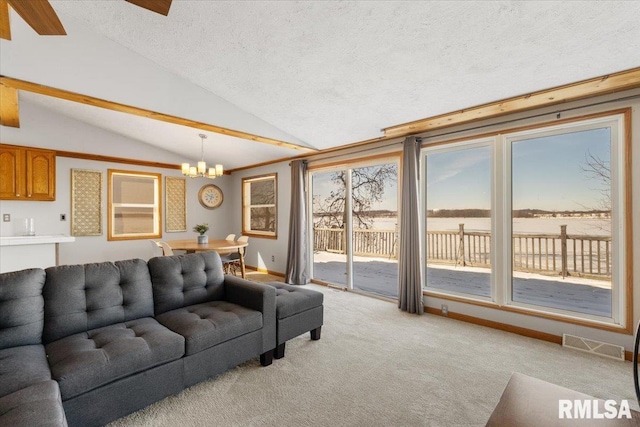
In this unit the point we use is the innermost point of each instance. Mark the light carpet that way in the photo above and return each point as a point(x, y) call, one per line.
point(377, 366)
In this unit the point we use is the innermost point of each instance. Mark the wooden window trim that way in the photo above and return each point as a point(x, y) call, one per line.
point(110, 225)
point(246, 231)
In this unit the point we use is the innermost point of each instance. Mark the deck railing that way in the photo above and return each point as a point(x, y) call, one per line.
point(553, 254)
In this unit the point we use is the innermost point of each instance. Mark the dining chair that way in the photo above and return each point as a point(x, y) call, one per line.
point(231, 237)
point(166, 249)
point(156, 248)
point(231, 262)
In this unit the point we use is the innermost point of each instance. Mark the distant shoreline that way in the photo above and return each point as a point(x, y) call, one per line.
point(482, 213)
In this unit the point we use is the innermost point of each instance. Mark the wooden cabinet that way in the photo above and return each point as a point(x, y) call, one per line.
point(27, 173)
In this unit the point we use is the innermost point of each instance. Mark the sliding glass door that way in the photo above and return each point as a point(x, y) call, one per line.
point(355, 227)
point(329, 221)
point(374, 204)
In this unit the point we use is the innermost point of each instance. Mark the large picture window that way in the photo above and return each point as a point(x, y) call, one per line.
point(259, 206)
point(534, 221)
point(133, 205)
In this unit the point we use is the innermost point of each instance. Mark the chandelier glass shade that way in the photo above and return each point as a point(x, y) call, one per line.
point(201, 170)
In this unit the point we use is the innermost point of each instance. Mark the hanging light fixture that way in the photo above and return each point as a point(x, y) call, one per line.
point(201, 169)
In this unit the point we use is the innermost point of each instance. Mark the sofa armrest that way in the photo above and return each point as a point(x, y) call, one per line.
point(256, 297)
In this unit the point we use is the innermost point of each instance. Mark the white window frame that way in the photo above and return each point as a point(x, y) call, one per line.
point(348, 167)
point(458, 146)
point(618, 255)
point(501, 222)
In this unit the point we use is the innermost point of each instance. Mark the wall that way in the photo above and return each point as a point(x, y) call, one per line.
point(261, 250)
point(43, 128)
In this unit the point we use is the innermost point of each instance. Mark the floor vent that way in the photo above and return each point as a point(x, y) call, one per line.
point(595, 347)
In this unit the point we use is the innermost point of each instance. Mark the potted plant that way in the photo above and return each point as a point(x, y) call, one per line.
point(203, 239)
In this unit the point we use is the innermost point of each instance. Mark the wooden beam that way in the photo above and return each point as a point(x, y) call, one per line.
point(9, 111)
point(40, 16)
point(624, 80)
point(5, 27)
point(112, 159)
point(157, 6)
point(123, 108)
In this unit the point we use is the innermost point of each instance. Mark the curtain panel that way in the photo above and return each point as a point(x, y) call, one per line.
point(297, 271)
point(410, 268)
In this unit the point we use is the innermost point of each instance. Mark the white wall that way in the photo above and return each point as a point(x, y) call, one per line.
point(261, 250)
point(40, 127)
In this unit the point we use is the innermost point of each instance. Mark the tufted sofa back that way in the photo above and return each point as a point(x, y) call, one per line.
point(79, 298)
point(183, 280)
point(21, 308)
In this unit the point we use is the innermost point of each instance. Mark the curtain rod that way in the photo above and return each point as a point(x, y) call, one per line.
point(557, 113)
point(503, 122)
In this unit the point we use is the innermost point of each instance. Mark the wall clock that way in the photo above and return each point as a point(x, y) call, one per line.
point(210, 196)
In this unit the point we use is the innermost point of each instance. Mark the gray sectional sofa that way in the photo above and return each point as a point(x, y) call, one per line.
point(86, 344)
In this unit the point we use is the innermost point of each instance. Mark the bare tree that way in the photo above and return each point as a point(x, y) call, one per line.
point(599, 169)
point(367, 186)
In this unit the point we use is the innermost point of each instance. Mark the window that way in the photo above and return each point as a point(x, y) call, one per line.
point(533, 221)
point(259, 206)
point(458, 218)
point(134, 205)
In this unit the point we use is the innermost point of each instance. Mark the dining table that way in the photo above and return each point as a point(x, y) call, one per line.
point(221, 245)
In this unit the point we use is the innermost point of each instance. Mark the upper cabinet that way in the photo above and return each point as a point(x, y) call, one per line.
point(27, 173)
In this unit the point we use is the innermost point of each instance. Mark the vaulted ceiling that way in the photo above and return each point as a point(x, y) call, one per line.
point(315, 74)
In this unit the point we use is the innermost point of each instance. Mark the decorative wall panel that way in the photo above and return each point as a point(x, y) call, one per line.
point(86, 202)
point(176, 205)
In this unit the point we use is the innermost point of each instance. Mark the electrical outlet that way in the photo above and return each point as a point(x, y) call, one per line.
point(63, 217)
point(6, 217)
point(445, 309)
point(273, 258)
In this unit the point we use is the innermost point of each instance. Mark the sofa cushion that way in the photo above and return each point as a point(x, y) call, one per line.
point(21, 367)
point(21, 308)
point(292, 300)
point(37, 405)
point(79, 298)
point(211, 323)
point(184, 280)
point(88, 360)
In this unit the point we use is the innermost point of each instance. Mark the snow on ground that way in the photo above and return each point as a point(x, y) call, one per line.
point(380, 266)
point(380, 276)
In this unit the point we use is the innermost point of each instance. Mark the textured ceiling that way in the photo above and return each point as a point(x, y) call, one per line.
point(332, 73)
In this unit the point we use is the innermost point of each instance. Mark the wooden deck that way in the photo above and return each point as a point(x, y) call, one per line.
point(381, 278)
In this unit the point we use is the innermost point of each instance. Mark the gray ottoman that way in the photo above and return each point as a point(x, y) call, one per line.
point(298, 311)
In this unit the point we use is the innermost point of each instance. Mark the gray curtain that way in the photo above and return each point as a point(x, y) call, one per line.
point(410, 274)
point(297, 272)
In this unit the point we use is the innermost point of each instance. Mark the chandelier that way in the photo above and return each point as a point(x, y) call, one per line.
point(201, 169)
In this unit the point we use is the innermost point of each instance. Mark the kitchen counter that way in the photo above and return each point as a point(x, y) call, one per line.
point(21, 252)
point(34, 240)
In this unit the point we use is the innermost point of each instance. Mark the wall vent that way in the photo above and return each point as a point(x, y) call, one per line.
point(595, 347)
